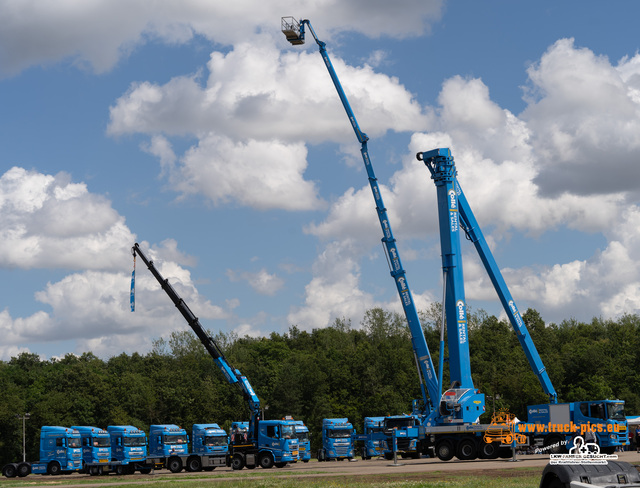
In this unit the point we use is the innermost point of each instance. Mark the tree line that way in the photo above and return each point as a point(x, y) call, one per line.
point(339, 371)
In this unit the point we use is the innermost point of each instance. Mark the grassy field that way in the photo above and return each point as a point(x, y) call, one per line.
point(512, 478)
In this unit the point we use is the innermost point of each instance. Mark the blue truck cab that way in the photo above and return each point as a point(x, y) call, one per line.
point(277, 443)
point(554, 426)
point(166, 440)
point(129, 447)
point(209, 439)
point(404, 431)
point(373, 437)
point(304, 441)
point(60, 451)
point(278, 438)
point(338, 440)
point(96, 449)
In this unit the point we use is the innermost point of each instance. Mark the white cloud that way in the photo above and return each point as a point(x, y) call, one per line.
point(48, 222)
point(262, 281)
point(257, 91)
point(585, 114)
point(98, 33)
point(334, 292)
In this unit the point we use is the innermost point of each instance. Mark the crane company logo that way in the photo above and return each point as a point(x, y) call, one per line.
point(461, 312)
point(453, 203)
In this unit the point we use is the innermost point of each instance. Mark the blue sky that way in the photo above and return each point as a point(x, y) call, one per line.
point(195, 129)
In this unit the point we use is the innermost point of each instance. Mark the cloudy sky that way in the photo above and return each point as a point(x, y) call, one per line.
point(194, 128)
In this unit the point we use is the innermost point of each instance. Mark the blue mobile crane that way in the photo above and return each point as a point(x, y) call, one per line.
point(269, 442)
point(449, 420)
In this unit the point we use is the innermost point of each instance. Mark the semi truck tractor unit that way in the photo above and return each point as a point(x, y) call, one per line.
point(60, 453)
point(129, 448)
point(304, 441)
point(338, 439)
point(96, 449)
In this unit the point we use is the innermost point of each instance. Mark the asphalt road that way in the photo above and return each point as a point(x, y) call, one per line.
point(342, 469)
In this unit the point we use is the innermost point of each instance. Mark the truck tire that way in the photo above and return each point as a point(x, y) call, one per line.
point(24, 469)
point(237, 462)
point(467, 450)
point(174, 465)
point(119, 469)
point(194, 464)
point(489, 451)
point(54, 468)
point(144, 470)
point(10, 471)
point(444, 450)
point(266, 461)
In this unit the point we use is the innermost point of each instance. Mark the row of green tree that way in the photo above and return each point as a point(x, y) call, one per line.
point(339, 371)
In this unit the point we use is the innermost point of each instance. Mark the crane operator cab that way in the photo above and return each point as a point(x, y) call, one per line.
point(461, 405)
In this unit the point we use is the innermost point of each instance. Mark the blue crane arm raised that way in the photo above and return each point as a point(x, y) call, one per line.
point(295, 33)
point(436, 161)
point(232, 375)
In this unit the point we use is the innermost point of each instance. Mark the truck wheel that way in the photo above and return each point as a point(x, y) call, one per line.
point(266, 461)
point(24, 469)
point(444, 450)
point(54, 468)
point(489, 451)
point(237, 462)
point(9, 471)
point(194, 464)
point(145, 470)
point(467, 450)
point(174, 465)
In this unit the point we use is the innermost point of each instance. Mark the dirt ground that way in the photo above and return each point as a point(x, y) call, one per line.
point(359, 470)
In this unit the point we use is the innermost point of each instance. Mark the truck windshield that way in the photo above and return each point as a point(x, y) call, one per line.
point(302, 436)
point(74, 442)
point(288, 432)
point(339, 433)
point(101, 442)
point(134, 441)
point(616, 411)
point(399, 423)
point(215, 440)
point(175, 439)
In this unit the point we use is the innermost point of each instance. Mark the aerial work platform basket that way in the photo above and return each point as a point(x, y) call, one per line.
point(291, 29)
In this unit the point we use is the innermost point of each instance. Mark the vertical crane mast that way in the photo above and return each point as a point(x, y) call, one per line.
point(295, 33)
point(232, 375)
point(441, 166)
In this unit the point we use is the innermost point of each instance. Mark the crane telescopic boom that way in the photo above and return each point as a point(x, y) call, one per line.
point(232, 375)
point(295, 34)
point(453, 205)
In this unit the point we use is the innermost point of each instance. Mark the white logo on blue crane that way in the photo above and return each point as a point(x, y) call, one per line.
point(453, 202)
point(462, 322)
point(516, 314)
